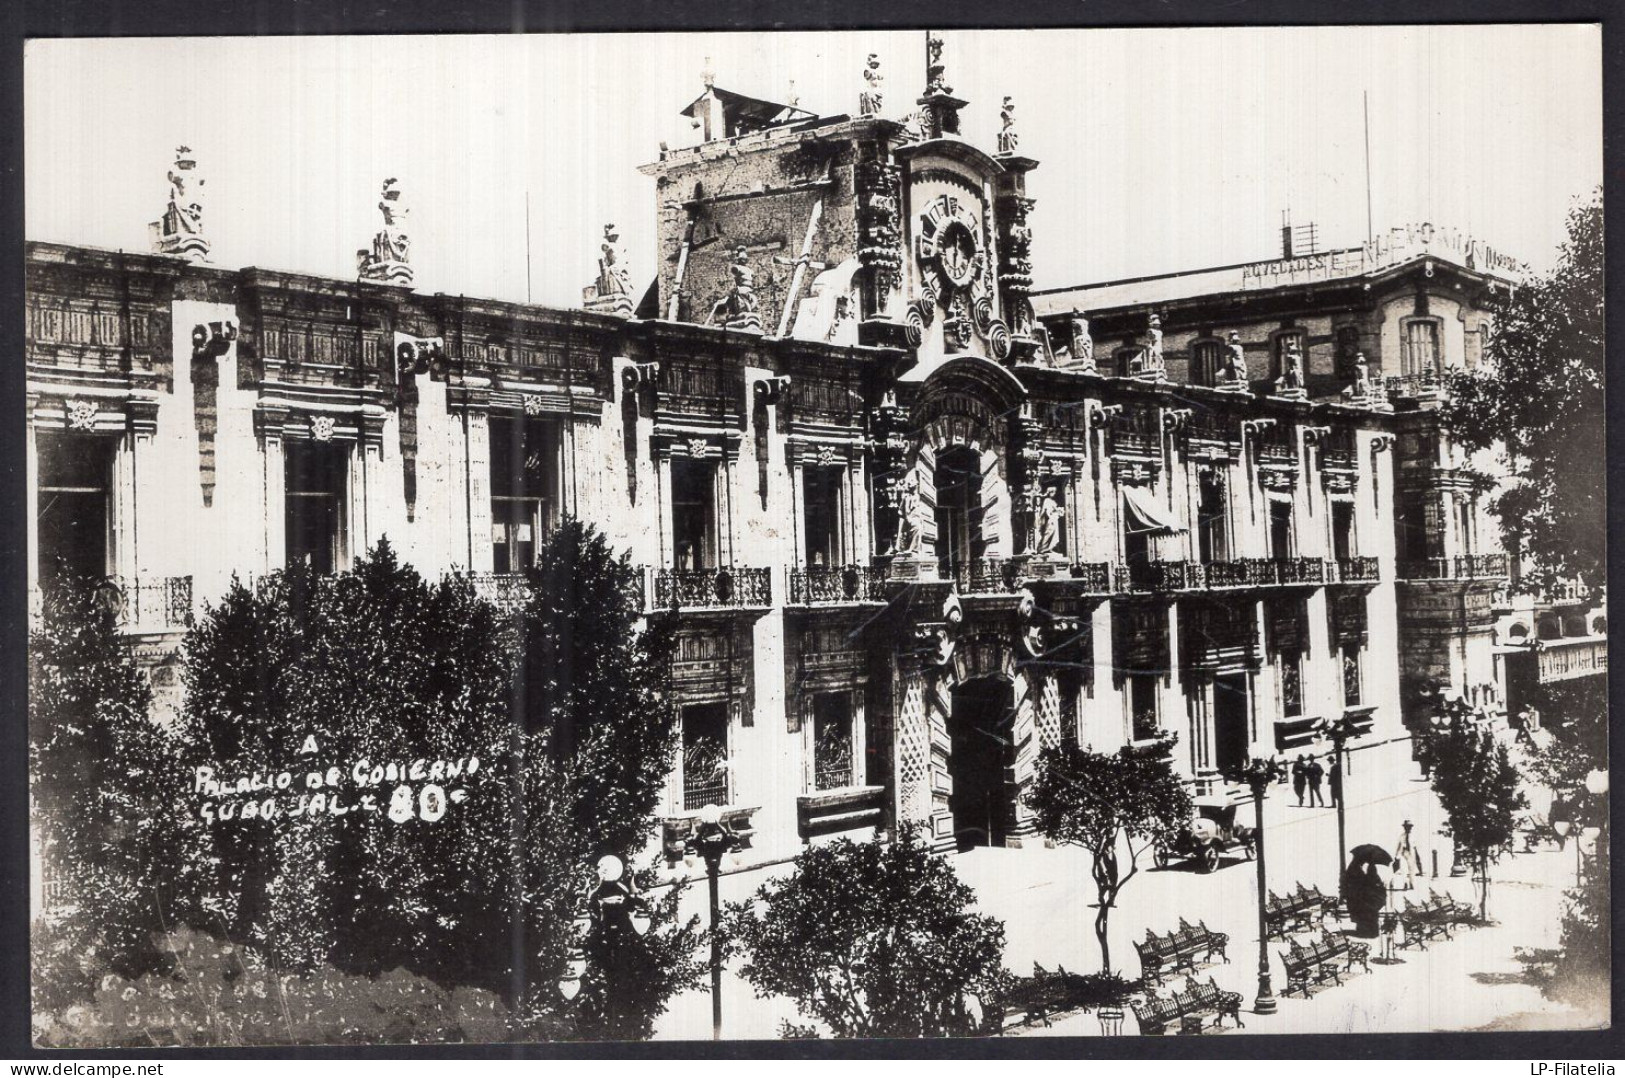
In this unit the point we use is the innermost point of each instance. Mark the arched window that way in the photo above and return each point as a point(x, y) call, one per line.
point(1205, 359)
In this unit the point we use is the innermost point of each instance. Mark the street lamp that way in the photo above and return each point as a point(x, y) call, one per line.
point(1338, 731)
point(1258, 774)
point(612, 908)
point(711, 841)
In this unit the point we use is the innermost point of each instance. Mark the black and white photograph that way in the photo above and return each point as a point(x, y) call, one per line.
point(815, 535)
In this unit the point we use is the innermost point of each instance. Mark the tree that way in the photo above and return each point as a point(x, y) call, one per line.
point(871, 939)
point(1540, 396)
point(1477, 787)
point(1575, 714)
point(1106, 803)
point(104, 782)
point(484, 762)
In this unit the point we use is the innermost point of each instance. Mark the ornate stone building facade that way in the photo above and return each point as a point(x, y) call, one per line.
point(910, 527)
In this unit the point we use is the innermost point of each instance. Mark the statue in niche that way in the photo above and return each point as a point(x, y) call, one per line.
point(612, 278)
point(872, 99)
point(1048, 523)
point(1007, 126)
point(909, 531)
point(391, 246)
point(738, 309)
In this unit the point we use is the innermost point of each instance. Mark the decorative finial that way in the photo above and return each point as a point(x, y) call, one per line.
point(790, 98)
point(935, 80)
point(708, 76)
point(1007, 126)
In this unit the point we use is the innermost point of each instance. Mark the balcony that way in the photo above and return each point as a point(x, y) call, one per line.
point(1091, 578)
point(715, 588)
point(161, 604)
point(846, 584)
point(1462, 567)
point(1425, 386)
point(508, 592)
point(1358, 571)
point(980, 576)
point(1157, 577)
point(1301, 570)
point(843, 809)
point(1240, 573)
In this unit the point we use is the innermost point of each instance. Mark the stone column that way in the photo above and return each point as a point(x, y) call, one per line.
point(270, 422)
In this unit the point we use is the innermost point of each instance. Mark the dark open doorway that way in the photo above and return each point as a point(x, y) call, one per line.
point(982, 753)
point(1230, 738)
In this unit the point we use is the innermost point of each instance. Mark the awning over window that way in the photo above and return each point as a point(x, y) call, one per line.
point(1146, 514)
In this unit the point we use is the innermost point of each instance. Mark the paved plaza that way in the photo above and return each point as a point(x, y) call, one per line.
point(1045, 899)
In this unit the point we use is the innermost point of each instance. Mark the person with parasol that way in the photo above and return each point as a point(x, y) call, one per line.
point(1365, 891)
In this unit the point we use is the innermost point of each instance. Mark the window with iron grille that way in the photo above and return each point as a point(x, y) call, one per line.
point(1419, 346)
point(832, 740)
point(705, 755)
point(1291, 664)
point(1350, 653)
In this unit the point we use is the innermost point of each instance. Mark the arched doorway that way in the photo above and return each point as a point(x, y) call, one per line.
point(982, 753)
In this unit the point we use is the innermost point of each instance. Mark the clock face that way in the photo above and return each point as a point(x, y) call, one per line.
point(950, 248)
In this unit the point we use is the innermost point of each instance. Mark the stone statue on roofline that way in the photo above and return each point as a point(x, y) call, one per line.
point(1007, 126)
point(739, 308)
point(390, 257)
point(1232, 372)
point(612, 291)
point(180, 230)
point(873, 97)
point(1290, 384)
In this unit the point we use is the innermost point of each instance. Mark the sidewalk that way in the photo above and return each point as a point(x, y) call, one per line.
point(1046, 900)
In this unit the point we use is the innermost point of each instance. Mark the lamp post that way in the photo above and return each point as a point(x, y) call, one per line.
point(712, 840)
point(1257, 775)
point(613, 907)
point(1338, 731)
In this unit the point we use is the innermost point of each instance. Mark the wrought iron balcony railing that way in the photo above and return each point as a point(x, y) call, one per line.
point(842, 584)
point(1423, 386)
point(979, 576)
point(508, 592)
point(139, 604)
point(736, 587)
point(1240, 573)
point(1094, 577)
point(1358, 570)
point(1462, 567)
point(1157, 576)
point(1301, 570)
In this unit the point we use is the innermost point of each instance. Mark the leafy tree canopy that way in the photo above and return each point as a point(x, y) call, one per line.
point(871, 939)
point(1540, 395)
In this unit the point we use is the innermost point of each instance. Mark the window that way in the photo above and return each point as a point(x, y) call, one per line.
point(832, 741)
point(959, 505)
point(1206, 357)
point(1211, 533)
point(693, 514)
point(1142, 705)
point(1342, 530)
point(821, 499)
point(1291, 665)
point(75, 507)
point(705, 755)
point(317, 476)
point(524, 489)
point(1280, 529)
point(1123, 362)
point(1419, 346)
point(1281, 359)
point(1418, 527)
point(1350, 655)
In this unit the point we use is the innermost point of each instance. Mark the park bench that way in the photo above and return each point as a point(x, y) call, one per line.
point(1187, 1010)
point(1319, 960)
point(1434, 916)
point(1297, 911)
point(1045, 993)
point(1178, 950)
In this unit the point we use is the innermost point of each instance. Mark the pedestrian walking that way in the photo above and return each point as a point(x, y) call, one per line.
point(1334, 779)
point(1300, 778)
point(1408, 861)
point(1315, 773)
